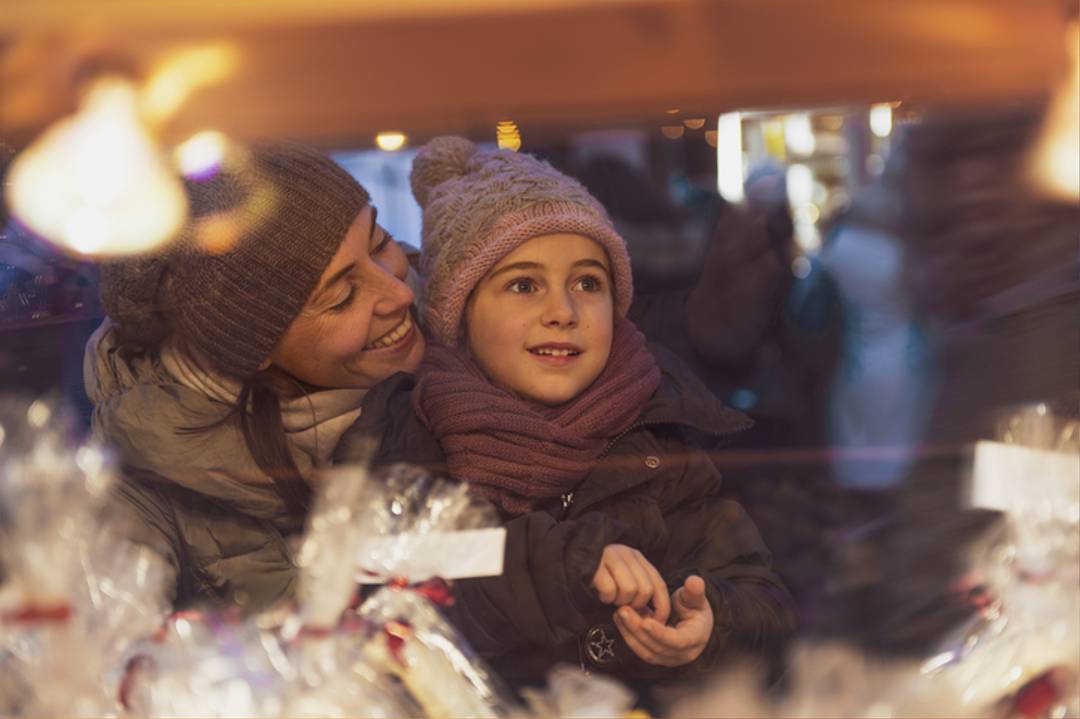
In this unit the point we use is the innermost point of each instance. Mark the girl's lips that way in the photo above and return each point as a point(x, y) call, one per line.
point(555, 361)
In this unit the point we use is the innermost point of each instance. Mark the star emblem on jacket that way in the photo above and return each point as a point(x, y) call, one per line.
point(600, 646)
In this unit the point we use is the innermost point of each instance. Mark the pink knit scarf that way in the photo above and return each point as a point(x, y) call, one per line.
point(516, 451)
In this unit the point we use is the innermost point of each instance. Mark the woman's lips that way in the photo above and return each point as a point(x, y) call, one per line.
point(396, 338)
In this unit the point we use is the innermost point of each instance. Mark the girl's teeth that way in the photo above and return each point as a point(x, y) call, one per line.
point(555, 353)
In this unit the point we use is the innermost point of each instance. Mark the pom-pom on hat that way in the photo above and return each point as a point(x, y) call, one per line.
point(479, 206)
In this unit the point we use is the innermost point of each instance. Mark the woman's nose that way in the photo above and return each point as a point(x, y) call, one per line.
point(394, 294)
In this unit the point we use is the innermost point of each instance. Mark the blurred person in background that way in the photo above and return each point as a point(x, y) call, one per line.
point(882, 389)
point(991, 274)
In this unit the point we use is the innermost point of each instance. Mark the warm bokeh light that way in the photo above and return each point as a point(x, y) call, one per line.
point(802, 189)
point(881, 119)
point(672, 132)
point(390, 141)
point(694, 123)
point(95, 183)
point(507, 136)
point(729, 157)
point(201, 156)
point(182, 73)
point(1056, 159)
point(799, 135)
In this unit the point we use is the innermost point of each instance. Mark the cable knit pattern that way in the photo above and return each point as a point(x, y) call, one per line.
point(479, 206)
point(517, 452)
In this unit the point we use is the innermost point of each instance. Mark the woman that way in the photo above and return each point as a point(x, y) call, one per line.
point(305, 309)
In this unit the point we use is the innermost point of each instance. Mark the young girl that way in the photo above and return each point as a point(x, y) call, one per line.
point(621, 554)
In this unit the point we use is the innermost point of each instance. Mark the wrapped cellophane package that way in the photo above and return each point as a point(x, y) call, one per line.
point(75, 594)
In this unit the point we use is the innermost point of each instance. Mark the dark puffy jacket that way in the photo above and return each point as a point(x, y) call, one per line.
point(654, 490)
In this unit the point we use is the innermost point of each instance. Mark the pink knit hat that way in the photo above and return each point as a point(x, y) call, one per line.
point(479, 206)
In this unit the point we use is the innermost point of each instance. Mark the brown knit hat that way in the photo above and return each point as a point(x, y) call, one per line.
point(479, 206)
point(292, 206)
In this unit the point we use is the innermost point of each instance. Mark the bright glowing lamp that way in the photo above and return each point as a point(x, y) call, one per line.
point(390, 141)
point(95, 183)
point(729, 160)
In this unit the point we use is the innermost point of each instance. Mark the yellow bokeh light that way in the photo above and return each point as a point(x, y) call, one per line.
point(201, 154)
point(1055, 161)
point(672, 132)
point(95, 182)
point(390, 141)
point(182, 73)
point(695, 123)
point(507, 136)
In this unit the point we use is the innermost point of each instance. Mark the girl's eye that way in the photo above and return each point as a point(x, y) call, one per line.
point(344, 304)
point(521, 286)
point(590, 283)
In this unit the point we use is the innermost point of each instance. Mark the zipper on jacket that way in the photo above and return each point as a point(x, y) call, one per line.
point(567, 500)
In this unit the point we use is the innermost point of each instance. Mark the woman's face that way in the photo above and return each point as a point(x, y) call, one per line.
point(540, 323)
point(357, 327)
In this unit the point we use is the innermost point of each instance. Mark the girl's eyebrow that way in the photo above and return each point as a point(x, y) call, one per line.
point(516, 266)
point(538, 266)
point(592, 263)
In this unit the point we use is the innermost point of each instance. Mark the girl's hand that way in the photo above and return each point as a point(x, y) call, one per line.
point(626, 578)
point(673, 646)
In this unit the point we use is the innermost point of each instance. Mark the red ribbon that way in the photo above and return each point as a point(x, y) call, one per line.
point(46, 613)
point(1037, 697)
point(131, 669)
point(436, 590)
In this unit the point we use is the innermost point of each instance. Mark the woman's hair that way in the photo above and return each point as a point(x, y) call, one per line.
point(257, 411)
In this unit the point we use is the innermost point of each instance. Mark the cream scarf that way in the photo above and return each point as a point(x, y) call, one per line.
point(313, 423)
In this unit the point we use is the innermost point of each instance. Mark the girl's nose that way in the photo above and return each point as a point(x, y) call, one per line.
point(560, 310)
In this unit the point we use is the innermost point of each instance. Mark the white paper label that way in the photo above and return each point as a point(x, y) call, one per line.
point(1008, 477)
point(449, 555)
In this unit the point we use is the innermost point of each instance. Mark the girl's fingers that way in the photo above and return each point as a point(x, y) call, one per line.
point(645, 586)
point(676, 638)
point(637, 646)
point(625, 582)
point(660, 599)
point(629, 622)
point(690, 597)
point(604, 584)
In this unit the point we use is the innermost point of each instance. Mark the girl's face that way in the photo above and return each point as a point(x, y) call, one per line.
point(540, 322)
point(356, 328)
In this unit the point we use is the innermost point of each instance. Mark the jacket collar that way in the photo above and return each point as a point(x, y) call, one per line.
point(683, 399)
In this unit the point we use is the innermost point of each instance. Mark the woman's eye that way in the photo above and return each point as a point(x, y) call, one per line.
point(387, 238)
point(521, 286)
point(344, 304)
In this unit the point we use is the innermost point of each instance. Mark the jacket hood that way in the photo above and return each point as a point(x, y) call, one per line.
point(168, 431)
